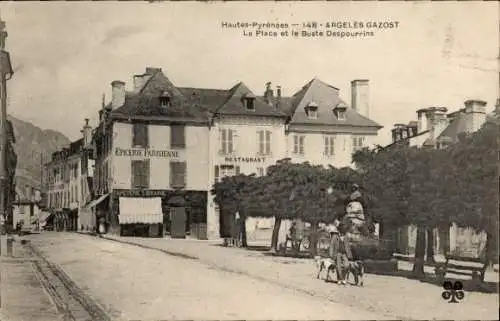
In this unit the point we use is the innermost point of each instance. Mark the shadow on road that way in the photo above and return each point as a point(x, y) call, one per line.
point(468, 285)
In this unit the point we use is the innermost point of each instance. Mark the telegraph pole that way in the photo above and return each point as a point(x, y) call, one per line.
point(5, 73)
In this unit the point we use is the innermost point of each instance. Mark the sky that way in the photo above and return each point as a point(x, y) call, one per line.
point(65, 55)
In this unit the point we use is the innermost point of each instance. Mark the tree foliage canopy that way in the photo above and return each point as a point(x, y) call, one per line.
point(435, 187)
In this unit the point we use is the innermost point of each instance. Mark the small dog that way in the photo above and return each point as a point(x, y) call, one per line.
point(323, 263)
point(357, 269)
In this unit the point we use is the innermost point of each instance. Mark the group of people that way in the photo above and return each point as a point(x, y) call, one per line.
point(340, 250)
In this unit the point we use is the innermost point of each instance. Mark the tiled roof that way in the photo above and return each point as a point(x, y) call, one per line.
point(209, 99)
point(327, 97)
point(74, 147)
point(456, 126)
point(190, 103)
point(234, 104)
point(147, 102)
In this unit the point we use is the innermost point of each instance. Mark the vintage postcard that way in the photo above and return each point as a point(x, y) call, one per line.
point(249, 160)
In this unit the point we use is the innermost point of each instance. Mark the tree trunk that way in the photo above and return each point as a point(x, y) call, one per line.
point(430, 246)
point(243, 229)
point(418, 264)
point(381, 230)
point(491, 254)
point(313, 243)
point(444, 239)
point(276, 231)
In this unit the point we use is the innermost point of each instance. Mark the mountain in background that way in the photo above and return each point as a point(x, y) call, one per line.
point(34, 146)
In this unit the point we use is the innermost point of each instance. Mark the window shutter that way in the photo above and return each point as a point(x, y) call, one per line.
point(177, 136)
point(182, 174)
point(135, 135)
point(223, 141)
point(268, 142)
point(172, 174)
point(134, 174)
point(230, 140)
point(237, 170)
point(216, 173)
point(140, 135)
point(145, 133)
point(325, 152)
point(145, 174)
point(260, 138)
point(177, 174)
point(295, 144)
point(301, 145)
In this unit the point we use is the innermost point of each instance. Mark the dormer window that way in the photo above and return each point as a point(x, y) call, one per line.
point(340, 110)
point(249, 102)
point(312, 110)
point(165, 99)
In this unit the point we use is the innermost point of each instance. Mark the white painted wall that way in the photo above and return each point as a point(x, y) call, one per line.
point(195, 154)
point(246, 145)
point(314, 145)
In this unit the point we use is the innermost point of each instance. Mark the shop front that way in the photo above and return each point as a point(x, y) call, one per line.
point(156, 213)
point(95, 213)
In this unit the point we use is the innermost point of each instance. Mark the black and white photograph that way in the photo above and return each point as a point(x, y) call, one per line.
point(262, 160)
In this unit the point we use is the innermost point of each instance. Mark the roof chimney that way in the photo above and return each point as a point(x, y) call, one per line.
point(360, 96)
point(151, 70)
point(118, 94)
point(268, 94)
point(475, 114)
point(139, 81)
point(87, 133)
point(278, 96)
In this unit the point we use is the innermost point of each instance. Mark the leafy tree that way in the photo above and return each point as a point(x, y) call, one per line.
point(230, 195)
point(475, 183)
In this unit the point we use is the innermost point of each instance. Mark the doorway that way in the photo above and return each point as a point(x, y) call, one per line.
point(178, 220)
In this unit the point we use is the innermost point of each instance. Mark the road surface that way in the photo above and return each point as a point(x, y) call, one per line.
point(130, 283)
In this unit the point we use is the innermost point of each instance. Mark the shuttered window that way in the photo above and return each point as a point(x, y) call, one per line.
point(216, 173)
point(140, 135)
point(177, 136)
point(140, 173)
point(177, 174)
point(357, 142)
point(227, 141)
point(264, 138)
point(329, 148)
point(298, 144)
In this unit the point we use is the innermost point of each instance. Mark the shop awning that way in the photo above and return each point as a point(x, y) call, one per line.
point(43, 216)
point(95, 202)
point(140, 210)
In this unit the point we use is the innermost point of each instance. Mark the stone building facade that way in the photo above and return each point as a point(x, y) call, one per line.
point(160, 148)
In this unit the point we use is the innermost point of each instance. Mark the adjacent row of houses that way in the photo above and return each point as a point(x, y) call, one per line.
point(435, 127)
point(149, 165)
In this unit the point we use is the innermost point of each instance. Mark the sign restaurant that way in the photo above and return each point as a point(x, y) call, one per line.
point(245, 159)
point(147, 153)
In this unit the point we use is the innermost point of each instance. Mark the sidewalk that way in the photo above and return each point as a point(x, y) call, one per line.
point(402, 298)
point(22, 295)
